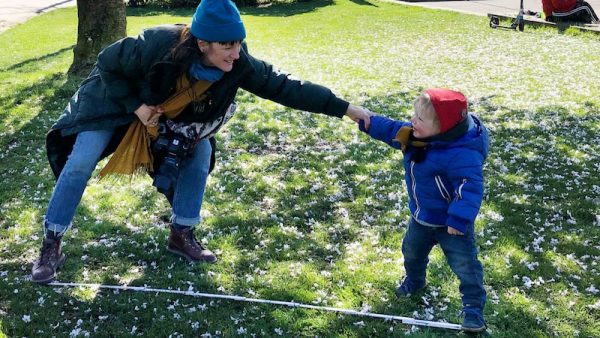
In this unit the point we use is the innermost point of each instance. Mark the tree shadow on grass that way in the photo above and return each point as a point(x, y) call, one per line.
point(154, 11)
point(37, 59)
point(286, 9)
point(302, 227)
point(542, 191)
point(364, 3)
point(53, 93)
point(291, 232)
point(276, 10)
point(540, 180)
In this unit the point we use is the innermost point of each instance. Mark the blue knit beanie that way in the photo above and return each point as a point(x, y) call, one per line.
point(217, 21)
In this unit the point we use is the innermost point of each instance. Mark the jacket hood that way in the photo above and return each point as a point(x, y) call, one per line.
point(476, 138)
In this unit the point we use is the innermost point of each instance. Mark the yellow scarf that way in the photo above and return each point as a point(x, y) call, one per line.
point(133, 153)
point(403, 136)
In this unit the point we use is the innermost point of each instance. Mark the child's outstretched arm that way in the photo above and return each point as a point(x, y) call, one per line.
point(384, 129)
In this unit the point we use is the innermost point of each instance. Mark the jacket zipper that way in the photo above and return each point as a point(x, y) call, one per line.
point(442, 189)
point(459, 190)
point(414, 188)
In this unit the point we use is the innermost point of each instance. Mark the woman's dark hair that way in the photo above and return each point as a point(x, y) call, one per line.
point(185, 51)
point(229, 43)
point(163, 75)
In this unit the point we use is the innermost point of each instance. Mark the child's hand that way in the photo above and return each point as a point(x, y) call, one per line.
point(361, 126)
point(455, 232)
point(359, 114)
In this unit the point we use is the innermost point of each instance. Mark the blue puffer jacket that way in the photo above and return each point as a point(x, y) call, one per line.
point(446, 188)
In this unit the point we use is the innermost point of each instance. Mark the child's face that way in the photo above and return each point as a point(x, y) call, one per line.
point(423, 125)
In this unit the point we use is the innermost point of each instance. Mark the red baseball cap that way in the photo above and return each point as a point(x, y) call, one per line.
point(450, 107)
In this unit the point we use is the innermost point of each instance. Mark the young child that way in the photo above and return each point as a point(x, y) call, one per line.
point(444, 149)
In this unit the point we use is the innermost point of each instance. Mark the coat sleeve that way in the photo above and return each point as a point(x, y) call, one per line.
point(283, 88)
point(121, 70)
point(384, 129)
point(465, 172)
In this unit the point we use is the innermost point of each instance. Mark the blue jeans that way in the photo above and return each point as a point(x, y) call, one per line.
point(460, 252)
point(89, 145)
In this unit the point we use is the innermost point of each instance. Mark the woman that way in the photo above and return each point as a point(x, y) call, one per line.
point(131, 79)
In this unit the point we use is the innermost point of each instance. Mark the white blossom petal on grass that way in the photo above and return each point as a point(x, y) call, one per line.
point(595, 306)
point(26, 318)
point(527, 282)
point(592, 289)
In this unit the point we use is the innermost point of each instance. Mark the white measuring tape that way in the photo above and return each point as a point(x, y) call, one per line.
point(404, 320)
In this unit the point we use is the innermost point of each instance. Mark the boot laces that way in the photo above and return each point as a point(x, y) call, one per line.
point(47, 252)
point(192, 239)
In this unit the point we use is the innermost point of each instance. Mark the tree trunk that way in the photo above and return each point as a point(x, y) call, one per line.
point(100, 24)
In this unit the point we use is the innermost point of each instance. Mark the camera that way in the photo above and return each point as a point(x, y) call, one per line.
point(169, 150)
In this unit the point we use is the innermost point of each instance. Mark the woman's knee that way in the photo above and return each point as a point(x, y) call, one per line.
point(87, 151)
point(80, 166)
point(201, 157)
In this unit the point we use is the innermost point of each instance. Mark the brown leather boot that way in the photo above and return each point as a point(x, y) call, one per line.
point(184, 243)
point(51, 259)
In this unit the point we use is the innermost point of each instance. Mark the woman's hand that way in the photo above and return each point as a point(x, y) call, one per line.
point(455, 232)
point(357, 114)
point(149, 115)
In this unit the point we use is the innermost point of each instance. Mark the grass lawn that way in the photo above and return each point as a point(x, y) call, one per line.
point(305, 208)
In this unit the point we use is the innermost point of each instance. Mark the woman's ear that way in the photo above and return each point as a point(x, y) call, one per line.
point(202, 45)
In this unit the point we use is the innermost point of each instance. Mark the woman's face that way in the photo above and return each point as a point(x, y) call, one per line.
point(219, 55)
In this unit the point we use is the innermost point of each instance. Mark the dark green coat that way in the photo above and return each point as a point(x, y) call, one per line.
point(133, 71)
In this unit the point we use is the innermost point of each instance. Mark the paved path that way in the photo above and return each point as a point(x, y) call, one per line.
point(482, 7)
point(13, 12)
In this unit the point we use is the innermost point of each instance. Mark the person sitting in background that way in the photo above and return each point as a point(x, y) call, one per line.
point(569, 11)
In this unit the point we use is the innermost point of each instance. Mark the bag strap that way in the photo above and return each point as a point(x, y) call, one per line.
point(186, 93)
